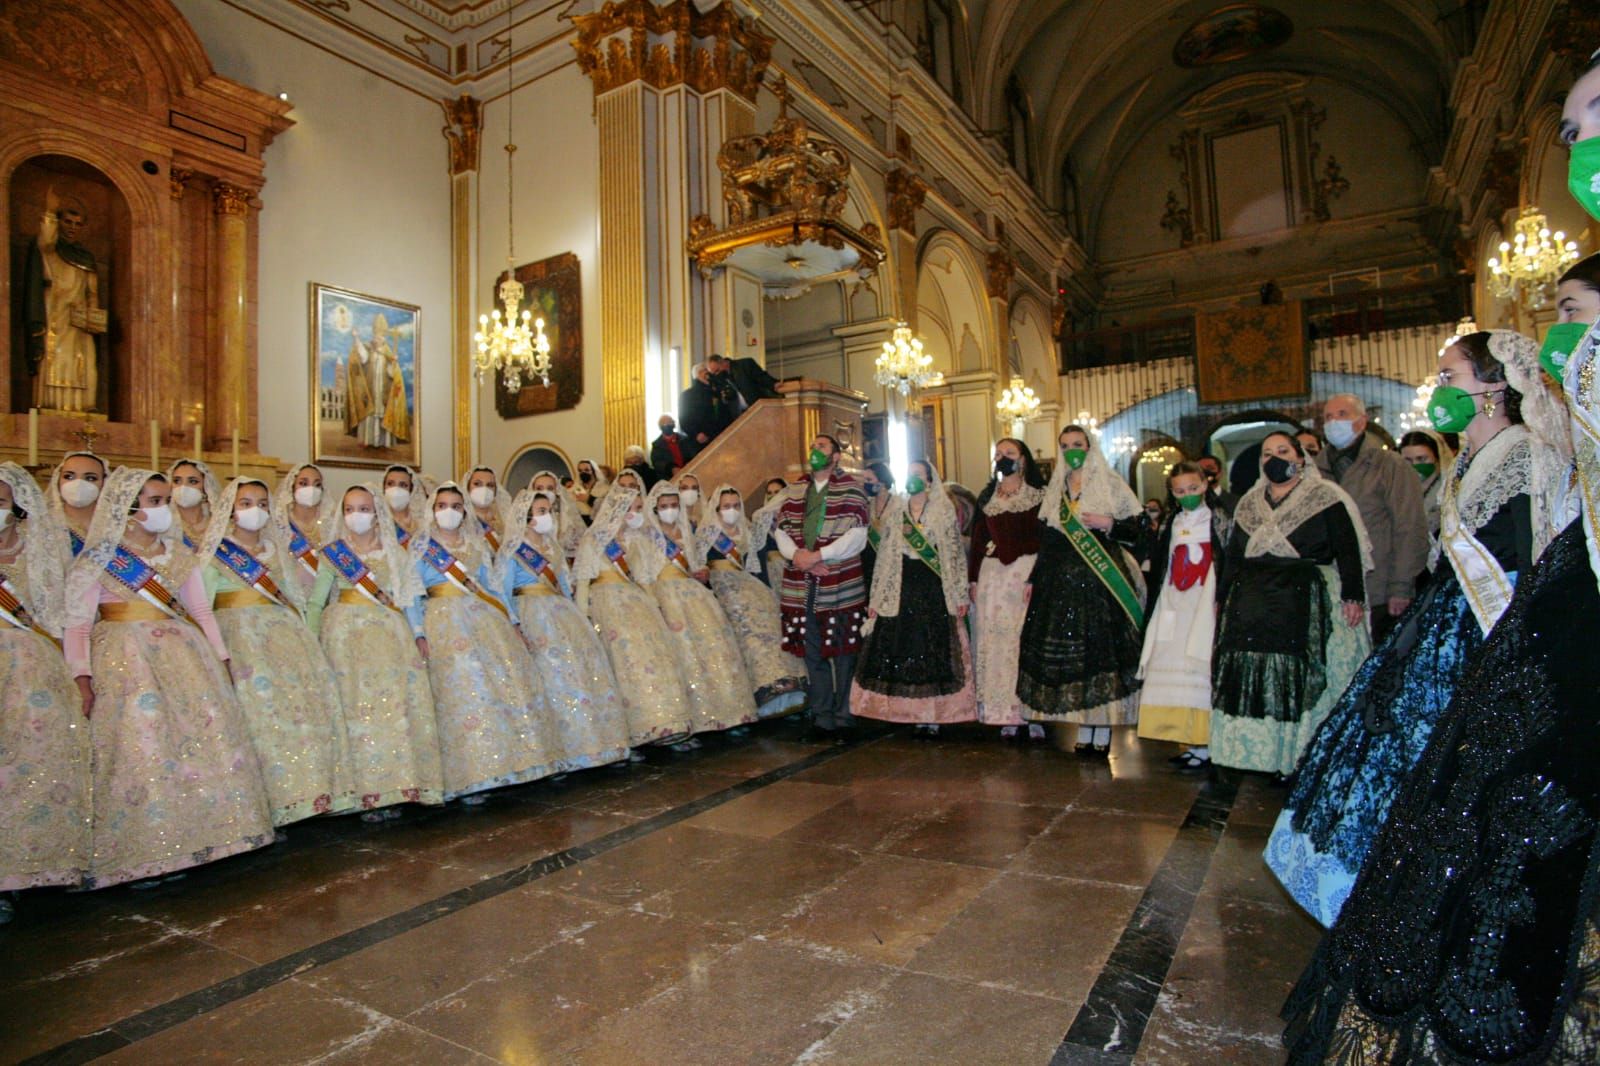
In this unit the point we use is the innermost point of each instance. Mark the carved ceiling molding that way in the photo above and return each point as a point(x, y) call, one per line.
point(674, 44)
point(463, 129)
point(906, 193)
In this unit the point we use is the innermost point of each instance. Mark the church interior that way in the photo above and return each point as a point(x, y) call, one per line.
point(1181, 224)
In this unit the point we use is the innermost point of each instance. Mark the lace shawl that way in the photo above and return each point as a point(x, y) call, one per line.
point(706, 532)
point(283, 503)
point(519, 531)
point(44, 555)
point(1547, 421)
point(569, 516)
point(1269, 528)
point(601, 487)
point(111, 517)
point(1481, 484)
point(208, 482)
point(274, 537)
point(472, 550)
point(501, 505)
point(681, 531)
point(1026, 498)
point(942, 529)
point(607, 527)
point(1103, 492)
point(404, 584)
point(417, 507)
point(761, 525)
point(1583, 414)
point(52, 495)
point(697, 513)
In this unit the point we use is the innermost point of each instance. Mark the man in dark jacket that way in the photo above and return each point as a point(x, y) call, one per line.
point(704, 408)
point(749, 379)
point(671, 451)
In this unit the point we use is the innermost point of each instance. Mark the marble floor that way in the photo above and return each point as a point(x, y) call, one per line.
point(762, 900)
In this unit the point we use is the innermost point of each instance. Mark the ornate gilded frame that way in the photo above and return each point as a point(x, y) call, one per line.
point(410, 453)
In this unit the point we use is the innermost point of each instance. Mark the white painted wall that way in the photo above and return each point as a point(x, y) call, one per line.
point(357, 195)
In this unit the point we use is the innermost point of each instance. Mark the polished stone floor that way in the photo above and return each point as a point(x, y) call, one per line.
point(760, 901)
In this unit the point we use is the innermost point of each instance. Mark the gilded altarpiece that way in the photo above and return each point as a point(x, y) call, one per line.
point(130, 175)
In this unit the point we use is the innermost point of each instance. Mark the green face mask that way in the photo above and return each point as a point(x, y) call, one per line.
point(1451, 409)
point(818, 459)
point(1189, 503)
point(1425, 470)
point(1559, 344)
point(1583, 175)
point(914, 485)
point(1074, 457)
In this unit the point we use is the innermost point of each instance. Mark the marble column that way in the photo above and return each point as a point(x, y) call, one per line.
point(463, 126)
point(228, 396)
point(171, 403)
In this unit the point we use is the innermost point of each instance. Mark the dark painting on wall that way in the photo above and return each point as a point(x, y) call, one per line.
point(553, 293)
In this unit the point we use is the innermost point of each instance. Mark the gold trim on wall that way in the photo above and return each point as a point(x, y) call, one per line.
point(461, 197)
point(622, 253)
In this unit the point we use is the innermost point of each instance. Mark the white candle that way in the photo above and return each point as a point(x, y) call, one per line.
point(155, 445)
point(33, 436)
point(235, 451)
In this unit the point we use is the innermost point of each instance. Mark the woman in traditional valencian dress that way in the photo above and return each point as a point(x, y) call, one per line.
point(1491, 532)
point(690, 499)
point(1081, 639)
point(74, 488)
point(44, 739)
point(723, 540)
point(195, 490)
point(1291, 629)
point(591, 726)
point(629, 479)
point(407, 501)
point(642, 656)
point(302, 507)
point(569, 521)
point(285, 686)
point(591, 487)
point(1000, 560)
point(176, 782)
point(379, 656)
point(877, 481)
point(764, 544)
point(915, 665)
point(1185, 572)
point(1430, 457)
point(490, 505)
point(667, 562)
point(494, 727)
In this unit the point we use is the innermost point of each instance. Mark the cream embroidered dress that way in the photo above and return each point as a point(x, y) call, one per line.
point(720, 693)
point(176, 781)
point(44, 738)
point(285, 686)
point(631, 629)
point(778, 677)
point(382, 680)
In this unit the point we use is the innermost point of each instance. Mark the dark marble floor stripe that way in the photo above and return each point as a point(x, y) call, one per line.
point(175, 1012)
point(1112, 1020)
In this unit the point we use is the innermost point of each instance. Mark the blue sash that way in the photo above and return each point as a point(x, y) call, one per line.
point(187, 543)
point(438, 556)
point(352, 569)
point(537, 565)
point(300, 548)
point(725, 545)
point(247, 568)
point(77, 542)
point(619, 559)
point(401, 534)
point(672, 550)
point(141, 579)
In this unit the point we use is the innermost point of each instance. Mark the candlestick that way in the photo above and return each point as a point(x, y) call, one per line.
point(198, 452)
point(235, 451)
point(155, 445)
point(33, 436)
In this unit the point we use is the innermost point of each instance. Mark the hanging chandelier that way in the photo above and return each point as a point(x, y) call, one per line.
point(903, 365)
point(1017, 402)
point(506, 343)
point(1529, 264)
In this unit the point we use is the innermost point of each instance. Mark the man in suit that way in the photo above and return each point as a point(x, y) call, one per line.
point(748, 379)
point(671, 451)
point(704, 407)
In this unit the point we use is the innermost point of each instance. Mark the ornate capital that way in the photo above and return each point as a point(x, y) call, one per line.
point(906, 192)
point(179, 178)
point(463, 122)
point(1002, 268)
point(229, 199)
point(672, 44)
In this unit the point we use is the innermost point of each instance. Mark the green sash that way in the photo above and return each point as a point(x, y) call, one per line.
point(873, 537)
point(1110, 575)
point(919, 543)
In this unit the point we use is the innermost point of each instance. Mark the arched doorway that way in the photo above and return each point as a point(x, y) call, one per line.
point(1236, 441)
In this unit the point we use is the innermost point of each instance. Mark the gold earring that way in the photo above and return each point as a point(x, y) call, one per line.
point(1489, 406)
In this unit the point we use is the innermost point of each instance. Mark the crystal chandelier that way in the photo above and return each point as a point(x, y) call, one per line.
point(1017, 402)
point(903, 365)
point(505, 341)
point(1529, 264)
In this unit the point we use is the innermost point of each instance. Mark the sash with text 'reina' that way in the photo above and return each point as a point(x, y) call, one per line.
point(1100, 563)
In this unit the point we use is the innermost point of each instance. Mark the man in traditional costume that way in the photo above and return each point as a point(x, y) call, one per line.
point(821, 529)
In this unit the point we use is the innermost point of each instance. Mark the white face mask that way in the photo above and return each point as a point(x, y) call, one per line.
point(187, 496)
point(398, 496)
point(308, 495)
point(359, 522)
point(251, 519)
point(1341, 432)
point(635, 519)
point(79, 493)
point(482, 496)
point(544, 523)
point(157, 519)
point(449, 518)
point(731, 515)
point(668, 516)
point(689, 497)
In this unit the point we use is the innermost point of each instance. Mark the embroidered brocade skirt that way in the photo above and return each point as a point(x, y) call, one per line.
point(290, 705)
point(997, 624)
point(720, 693)
point(492, 719)
point(915, 666)
point(778, 677)
point(591, 725)
point(176, 781)
point(388, 705)
point(643, 659)
point(44, 766)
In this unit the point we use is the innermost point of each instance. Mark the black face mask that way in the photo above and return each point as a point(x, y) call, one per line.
point(1005, 466)
point(585, 477)
point(1278, 469)
point(872, 488)
point(667, 429)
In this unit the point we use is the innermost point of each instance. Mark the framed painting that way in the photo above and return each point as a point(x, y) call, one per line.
point(553, 292)
point(364, 379)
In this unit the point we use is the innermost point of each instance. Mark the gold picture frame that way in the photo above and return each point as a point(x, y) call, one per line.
point(375, 423)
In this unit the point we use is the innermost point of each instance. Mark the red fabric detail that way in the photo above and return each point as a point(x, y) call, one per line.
point(672, 446)
point(1187, 572)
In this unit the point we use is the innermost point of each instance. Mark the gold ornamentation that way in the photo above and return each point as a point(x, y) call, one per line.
point(1002, 268)
point(1332, 185)
point(1176, 218)
point(228, 199)
point(673, 44)
point(463, 118)
point(67, 45)
point(178, 179)
point(906, 193)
